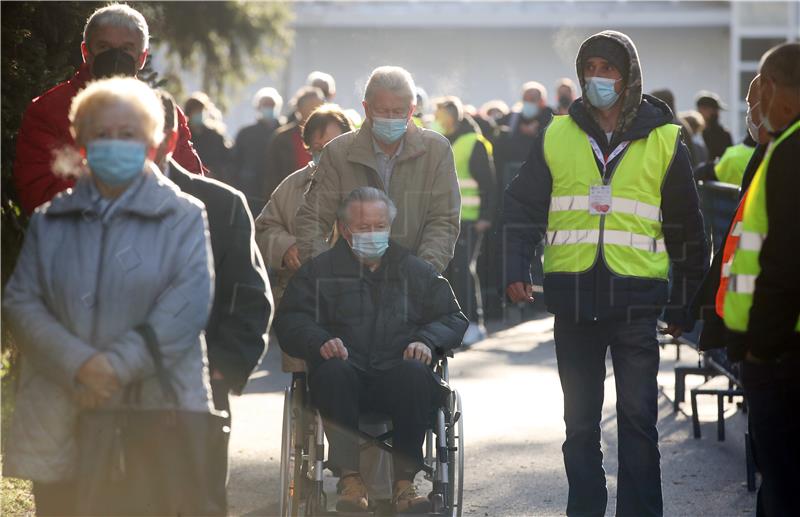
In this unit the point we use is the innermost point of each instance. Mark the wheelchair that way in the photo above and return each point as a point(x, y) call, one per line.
point(303, 453)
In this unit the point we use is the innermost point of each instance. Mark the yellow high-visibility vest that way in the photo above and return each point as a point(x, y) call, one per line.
point(470, 193)
point(627, 233)
point(730, 167)
point(745, 267)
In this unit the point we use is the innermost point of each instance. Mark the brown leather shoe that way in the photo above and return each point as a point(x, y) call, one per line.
point(352, 494)
point(406, 499)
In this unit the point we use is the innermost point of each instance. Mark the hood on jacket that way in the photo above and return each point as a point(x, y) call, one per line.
point(631, 96)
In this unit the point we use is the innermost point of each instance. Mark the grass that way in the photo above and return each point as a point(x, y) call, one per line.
point(16, 497)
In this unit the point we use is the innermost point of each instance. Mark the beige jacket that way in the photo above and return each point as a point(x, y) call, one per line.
point(424, 187)
point(275, 233)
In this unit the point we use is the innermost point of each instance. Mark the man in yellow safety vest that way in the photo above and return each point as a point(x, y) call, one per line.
point(476, 182)
point(761, 305)
point(610, 188)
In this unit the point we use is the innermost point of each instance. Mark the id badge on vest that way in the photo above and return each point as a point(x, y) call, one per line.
point(599, 199)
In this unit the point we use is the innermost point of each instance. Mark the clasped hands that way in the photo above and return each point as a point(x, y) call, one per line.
point(98, 382)
point(415, 351)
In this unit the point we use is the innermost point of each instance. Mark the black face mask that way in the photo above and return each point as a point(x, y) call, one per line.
point(564, 101)
point(113, 62)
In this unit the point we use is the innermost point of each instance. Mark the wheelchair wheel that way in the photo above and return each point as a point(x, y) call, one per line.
point(292, 479)
point(455, 445)
point(288, 457)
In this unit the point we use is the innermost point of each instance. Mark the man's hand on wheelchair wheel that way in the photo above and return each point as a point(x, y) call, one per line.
point(333, 348)
point(418, 351)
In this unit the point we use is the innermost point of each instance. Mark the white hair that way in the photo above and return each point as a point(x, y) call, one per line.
point(365, 195)
point(394, 79)
point(268, 92)
point(118, 15)
point(317, 76)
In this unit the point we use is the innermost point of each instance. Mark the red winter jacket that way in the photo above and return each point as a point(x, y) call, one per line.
point(45, 128)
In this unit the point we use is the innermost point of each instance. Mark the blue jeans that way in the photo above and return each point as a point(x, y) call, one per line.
point(581, 353)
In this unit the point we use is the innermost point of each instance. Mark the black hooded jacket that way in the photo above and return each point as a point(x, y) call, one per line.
point(599, 294)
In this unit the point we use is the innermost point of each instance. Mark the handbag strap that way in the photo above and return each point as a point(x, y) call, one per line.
point(151, 341)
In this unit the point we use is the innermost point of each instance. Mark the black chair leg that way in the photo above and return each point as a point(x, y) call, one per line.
point(721, 417)
point(695, 416)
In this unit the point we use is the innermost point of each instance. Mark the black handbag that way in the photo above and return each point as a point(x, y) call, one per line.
point(150, 462)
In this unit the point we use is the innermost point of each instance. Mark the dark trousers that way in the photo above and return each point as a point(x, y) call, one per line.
point(54, 499)
point(219, 455)
point(581, 353)
point(406, 393)
point(461, 279)
point(773, 398)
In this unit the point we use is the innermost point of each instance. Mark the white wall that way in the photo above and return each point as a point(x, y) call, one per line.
point(481, 64)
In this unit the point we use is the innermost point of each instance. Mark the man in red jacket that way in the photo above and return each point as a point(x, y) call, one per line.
point(115, 41)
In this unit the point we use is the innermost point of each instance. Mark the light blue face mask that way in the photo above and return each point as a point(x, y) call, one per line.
point(529, 109)
point(389, 130)
point(370, 245)
point(267, 113)
point(315, 157)
point(116, 162)
point(600, 92)
point(196, 119)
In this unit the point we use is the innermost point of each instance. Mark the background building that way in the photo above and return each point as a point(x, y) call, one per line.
point(480, 50)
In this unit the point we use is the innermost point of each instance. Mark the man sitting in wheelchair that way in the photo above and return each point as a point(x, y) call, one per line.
point(367, 316)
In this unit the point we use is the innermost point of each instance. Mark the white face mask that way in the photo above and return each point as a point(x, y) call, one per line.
point(752, 127)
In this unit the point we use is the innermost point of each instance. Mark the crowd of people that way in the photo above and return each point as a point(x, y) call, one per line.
point(142, 296)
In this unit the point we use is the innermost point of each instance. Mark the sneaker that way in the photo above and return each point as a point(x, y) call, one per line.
point(474, 333)
point(352, 494)
point(406, 499)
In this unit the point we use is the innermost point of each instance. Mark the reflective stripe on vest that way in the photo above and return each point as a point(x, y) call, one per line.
point(728, 249)
point(745, 266)
point(629, 238)
point(470, 193)
point(731, 165)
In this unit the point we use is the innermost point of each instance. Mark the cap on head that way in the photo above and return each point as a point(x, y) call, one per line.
point(705, 98)
point(609, 49)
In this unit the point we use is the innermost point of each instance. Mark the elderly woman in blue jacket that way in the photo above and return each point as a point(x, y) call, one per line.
point(123, 248)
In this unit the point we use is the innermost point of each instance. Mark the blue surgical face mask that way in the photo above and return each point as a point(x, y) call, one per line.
point(529, 109)
point(267, 113)
point(116, 162)
point(600, 92)
point(370, 245)
point(196, 119)
point(389, 130)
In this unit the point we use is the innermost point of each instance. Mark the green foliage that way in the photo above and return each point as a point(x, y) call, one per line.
point(17, 497)
point(225, 41)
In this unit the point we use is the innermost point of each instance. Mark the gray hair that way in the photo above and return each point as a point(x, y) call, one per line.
point(268, 93)
point(365, 195)
point(394, 79)
point(323, 81)
point(118, 15)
